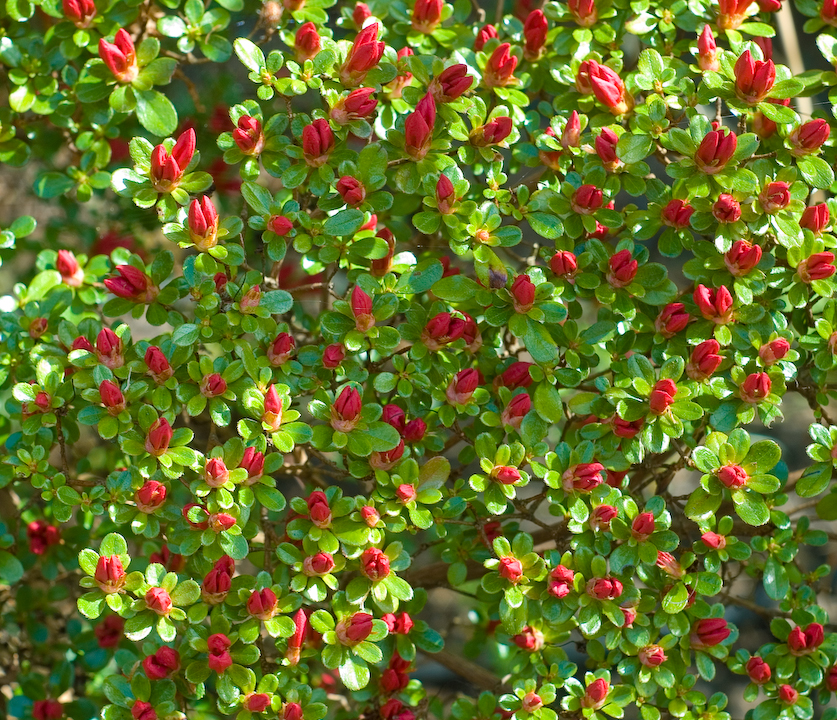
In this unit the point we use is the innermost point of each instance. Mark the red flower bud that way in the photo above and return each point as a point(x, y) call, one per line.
point(828, 12)
point(484, 34)
point(296, 640)
point(499, 70)
point(219, 658)
point(318, 509)
point(624, 429)
point(707, 51)
point(534, 35)
point(370, 515)
point(666, 561)
point(395, 416)
point(441, 330)
point(462, 387)
point(132, 284)
point(307, 42)
point(652, 656)
point(774, 197)
point(571, 136)
point(112, 397)
point(406, 493)
point(809, 137)
point(788, 694)
point(704, 361)
point(357, 105)
point(742, 257)
point(714, 305)
point(364, 55)
point(418, 128)
point(514, 376)
point(726, 209)
point(583, 477)
point(216, 585)
point(732, 476)
point(158, 438)
point(150, 496)
point(818, 266)
point(672, 319)
point(506, 475)
point(642, 526)
point(608, 88)
point(354, 629)
point(676, 214)
point(213, 385)
point(709, 632)
point(531, 639)
point(516, 410)
point(162, 663)
point(374, 564)
point(450, 84)
point(714, 541)
point(248, 135)
point(584, 12)
point(109, 632)
point(445, 195)
point(203, 223)
point(317, 142)
point(388, 459)
point(605, 144)
point(427, 14)
point(110, 574)
point(510, 569)
point(120, 57)
point(602, 515)
point(606, 588)
point(281, 350)
point(775, 350)
point(361, 14)
point(167, 169)
point(67, 265)
point(523, 294)
point(715, 151)
point(257, 702)
point(662, 396)
point(831, 679)
point(560, 582)
point(802, 642)
point(79, 12)
point(158, 600)
point(262, 604)
point(586, 200)
point(351, 190)
point(754, 79)
point(596, 694)
point(318, 565)
point(815, 218)
point(345, 413)
point(622, 269)
point(142, 711)
point(333, 355)
point(563, 263)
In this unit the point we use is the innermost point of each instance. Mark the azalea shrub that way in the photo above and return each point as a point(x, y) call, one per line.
point(346, 342)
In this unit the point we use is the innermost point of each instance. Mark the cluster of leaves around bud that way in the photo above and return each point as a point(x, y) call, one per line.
point(422, 324)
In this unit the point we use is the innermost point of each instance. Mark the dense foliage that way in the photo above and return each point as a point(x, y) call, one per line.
point(328, 309)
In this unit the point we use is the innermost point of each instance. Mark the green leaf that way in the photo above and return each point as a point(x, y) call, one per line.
point(815, 171)
point(750, 507)
point(776, 583)
point(815, 480)
point(11, 569)
point(52, 184)
point(455, 288)
point(156, 113)
point(250, 54)
point(355, 674)
point(539, 342)
point(424, 276)
point(547, 402)
point(345, 222)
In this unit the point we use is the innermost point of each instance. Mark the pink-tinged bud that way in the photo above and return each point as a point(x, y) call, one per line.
point(219, 658)
point(162, 663)
point(523, 294)
point(584, 12)
point(715, 151)
point(307, 43)
point(516, 410)
point(112, 397)
point(203, 223)
point(586, 200)
point(817, 267)
point(815, 218)
point(318, 509)
point(248, 135)
point(506, 475)
point(272, 415)
point(450, 84)
point(758, 670)
point(354, 629)
point(662, 396)
point(788, 694)
point(158, 365)
point(571, 136)
point(79, 12)
point(672, 319)
point(462, 387)
point(82, 343)
point(515, 376)
point(351, 190)
point(109, 632)
point(262, 604)
point(364, 55)
point(158, 600)
point(197, 525)
point(388, 459)
point(583, 477)
point(427, 14)
point(563, 263)
point(381, 266)
point(754, 79)
point(731, 13)
point(374, 564)
point(213, 385)
point(707, 54)
point(441, 330)
point(595, 695)
point(216, 585)
point(828, 12)
point(41, 535)
point(531, 702)
point(709, 632)
point(318, 565)
point(676, 214)
point(345, 413)
point(167, 168)
point(535, 29)
point(158, 438)
point(510, 569)
point(357, 105)
point(704, 361)
point(642, 526)
point(624, 429)
point(669, 565)
point(120, 57)
point(629, 614)
point(732, 476)
point(250, 301)
point(110, 574)
point(38, 328)
point(774, 197)
point(395, 416)
point(446, 199)
point(370, 516)
point(257, 702)
point(281, 350)
point(140, 710)
point(601, 517)
point(333, 355)
point(742, 257)
point(406, 493)
point(317, 142)
point(606, 588)
point(360, 14)
point(132, 284)
point(714, 541)
point(484, 34)
point(605, 144)
point(150, 496)
point(418, 128)
point(714, 305)
point(296, 641)
point(803, 642)
point(622, 269)
point(652, 656)
point(560, 582)
point(499, 70)
point(531, 639)
point(71, 272)
point(292, 711)
point(608, 88)
point(831, 679)
point(216, 473)
point(361, 305)
point(772, 352)
point(726, 209)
